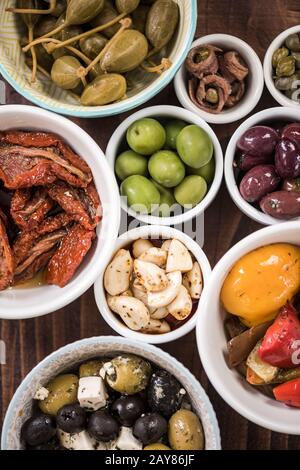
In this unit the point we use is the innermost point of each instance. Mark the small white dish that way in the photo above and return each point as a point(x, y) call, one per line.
point(154, 232)
point(171, 112)
point(279, 96)
point(67, 357)
point(255, 80)
point(19, 303)
point(263, 117)
point(212, 342)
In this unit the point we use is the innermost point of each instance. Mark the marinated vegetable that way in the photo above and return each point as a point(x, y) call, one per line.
point(286, 67)
point(94, 38)
point(53, 204)
point(156, 291)
point(127, 404)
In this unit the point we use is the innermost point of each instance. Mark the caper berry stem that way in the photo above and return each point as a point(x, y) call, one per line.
point(39, 68)
point(89, 33)
point(125, 24)
point(33, 55)
point(45, 36)
point(160, 68)
point(75, 51)
point(34, 11)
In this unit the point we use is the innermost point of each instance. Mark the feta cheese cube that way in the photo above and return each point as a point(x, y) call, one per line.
point(76, 441)
point(127, 441)
point(92, 393)
point(41, 394)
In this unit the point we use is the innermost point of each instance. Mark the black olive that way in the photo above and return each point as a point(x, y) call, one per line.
point(53, 444)
point(71, 418)
point(38, 430)
point(127, 409)
point(164, 393)
point(150, 428)
point(103, 427)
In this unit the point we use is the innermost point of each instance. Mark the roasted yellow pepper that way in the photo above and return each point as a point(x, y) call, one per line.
point(261, 282)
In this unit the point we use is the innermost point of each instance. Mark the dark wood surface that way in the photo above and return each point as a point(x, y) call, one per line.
point(29, 341)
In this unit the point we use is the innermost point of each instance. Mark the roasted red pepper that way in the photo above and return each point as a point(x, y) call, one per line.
point(281, 344)
point(288, 393)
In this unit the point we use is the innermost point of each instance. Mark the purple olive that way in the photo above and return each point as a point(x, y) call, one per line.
point(283, 205)
point(245, 161)
point(258, 140)
point(287, 159)
point(291, 185)
point(258, 182)
point(292, 132)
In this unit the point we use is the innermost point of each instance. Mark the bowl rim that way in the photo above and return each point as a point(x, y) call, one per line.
point(267, 67)
point(174, 112)
point(64, 350)
point(147, 231)
point(233, 114)
point(258, 238)
point(244, 206)
point(65, 298)
point(123, 106)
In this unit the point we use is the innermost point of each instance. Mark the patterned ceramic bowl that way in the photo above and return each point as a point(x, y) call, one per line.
point(47, 95)
point(69, 356)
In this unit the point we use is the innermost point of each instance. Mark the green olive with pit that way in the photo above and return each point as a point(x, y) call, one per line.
point(130, 163)
point(185, 431)
point(167, 200)
point(128, 374)
point(141, 194)
point(62, 391)
point(191, 191)
point(194, 146)
point(173, 128)
point(207, 171)
point(166, 168)
point(146, 136)
point(90, 368)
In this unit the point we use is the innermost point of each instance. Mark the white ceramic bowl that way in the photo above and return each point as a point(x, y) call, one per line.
point(212, 343)
point(168, 112)
point(32, 302)
point(255, 80)
point(45, 94)
point(279, 96)
point(126, 239)
point(67, 357)
point(263, 117)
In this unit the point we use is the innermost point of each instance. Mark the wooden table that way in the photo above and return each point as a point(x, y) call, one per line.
point(28, 342)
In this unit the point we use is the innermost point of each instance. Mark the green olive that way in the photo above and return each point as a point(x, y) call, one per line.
point(194, 146)
point(173, 128)
point(167, 200)
point(146, 136)
point(278, 55)
point(125, 53)
point(207, 171)
point(90, 368)
point(62, 391)
point(293, 42)
point(185, 431)
point(286, 67)
point(128, 374)
point(104, 89)
point(130, 163)
point(141, 194)
point(64, 72)
point(166, 168)
point(157, 446)
point(191, 191)
point(92, 45)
